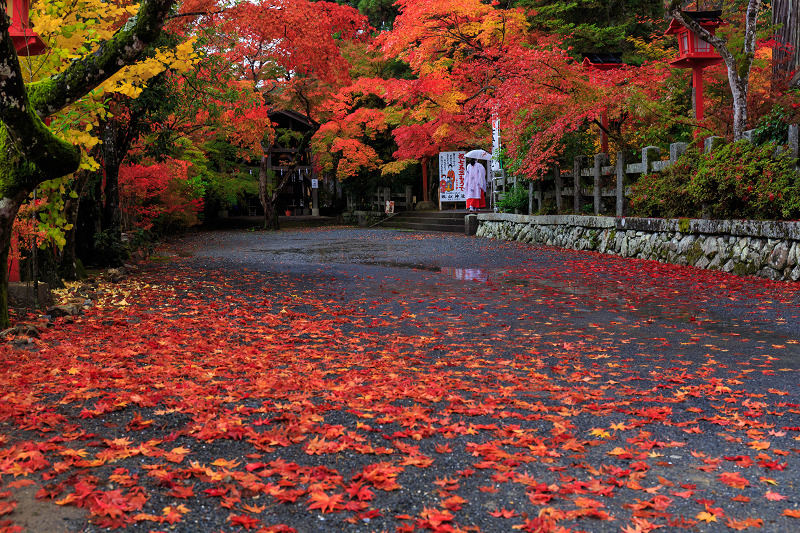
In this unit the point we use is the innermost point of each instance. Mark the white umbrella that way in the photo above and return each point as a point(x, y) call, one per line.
point(478, 154)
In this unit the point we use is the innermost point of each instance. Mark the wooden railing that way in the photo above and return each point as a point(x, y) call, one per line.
point(596, 178)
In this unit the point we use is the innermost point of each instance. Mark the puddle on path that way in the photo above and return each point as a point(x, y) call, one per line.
point(467, 274)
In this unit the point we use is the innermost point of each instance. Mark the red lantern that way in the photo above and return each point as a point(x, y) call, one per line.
point(602, 63)
point(26, 41)
point(695, 53)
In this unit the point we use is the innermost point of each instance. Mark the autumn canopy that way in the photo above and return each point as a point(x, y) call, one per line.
point(157, 125)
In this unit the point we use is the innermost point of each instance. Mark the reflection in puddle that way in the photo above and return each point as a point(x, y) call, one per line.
point(395, 264)
point(467, 274)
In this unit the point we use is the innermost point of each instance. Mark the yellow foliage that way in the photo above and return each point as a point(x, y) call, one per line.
point(656, 50)
point(396, 167)
point(132, 79)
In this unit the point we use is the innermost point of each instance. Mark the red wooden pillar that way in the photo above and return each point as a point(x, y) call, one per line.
point(13, 263)
point(697, 85)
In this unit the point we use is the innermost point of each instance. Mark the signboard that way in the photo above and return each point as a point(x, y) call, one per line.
point(452, 170)
point(314, 183)
point(390, 207)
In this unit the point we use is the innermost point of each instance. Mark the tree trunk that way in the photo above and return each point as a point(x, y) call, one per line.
point(269, 189)
point(30, 152)
point(786, 14)
point(113, 154)
point(266, 195)
point(71, 209)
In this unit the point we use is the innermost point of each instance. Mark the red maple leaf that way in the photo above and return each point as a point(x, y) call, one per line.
point(325, 503)
point(247, 522)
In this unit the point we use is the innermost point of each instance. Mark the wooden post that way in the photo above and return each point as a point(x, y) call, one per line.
point(712, 143)
point(794, 141)
point(530, 197)
point(425, 194)
point(676, 150)
point(540, 196)
point(650, 154)
point(620, 183)
point(409, 194)
point(597, 172)
point(576, 180)
point(557, 179)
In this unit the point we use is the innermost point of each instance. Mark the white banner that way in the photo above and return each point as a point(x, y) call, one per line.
point(496, 143)
point(452, 169)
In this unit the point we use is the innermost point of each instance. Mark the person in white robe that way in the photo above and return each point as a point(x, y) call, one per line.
point(475, 185)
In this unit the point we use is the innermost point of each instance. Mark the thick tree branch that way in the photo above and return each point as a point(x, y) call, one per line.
point(84, 74)
point(26, 138)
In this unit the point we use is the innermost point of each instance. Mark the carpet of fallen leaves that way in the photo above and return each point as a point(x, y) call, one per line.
point(563, 392)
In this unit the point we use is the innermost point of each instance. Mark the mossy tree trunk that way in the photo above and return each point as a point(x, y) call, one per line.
point(29, 152)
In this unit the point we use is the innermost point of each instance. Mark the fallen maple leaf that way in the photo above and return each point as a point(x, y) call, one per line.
point(323, 502)
point(734, 479)
point(503, 513)
point(7, 507)
point(744, 524)
point(247, 522)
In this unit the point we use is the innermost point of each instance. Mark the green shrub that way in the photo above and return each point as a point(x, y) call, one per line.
point(663, 194)
point(739, 180)
point(742, 180)
point(515, 200)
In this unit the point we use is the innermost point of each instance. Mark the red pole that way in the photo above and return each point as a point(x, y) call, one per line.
point(697, 83)
point(13, 266)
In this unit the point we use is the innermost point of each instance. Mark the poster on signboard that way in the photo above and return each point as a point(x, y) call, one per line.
point(452, 170)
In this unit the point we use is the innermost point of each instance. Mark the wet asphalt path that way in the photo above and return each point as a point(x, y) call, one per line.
point(667, 379)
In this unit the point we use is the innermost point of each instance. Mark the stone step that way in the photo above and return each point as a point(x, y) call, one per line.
point(441, 221)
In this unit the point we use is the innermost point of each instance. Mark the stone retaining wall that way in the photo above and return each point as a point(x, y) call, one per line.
point(768, 249)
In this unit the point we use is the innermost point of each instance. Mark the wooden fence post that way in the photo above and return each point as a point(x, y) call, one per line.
point(577, 163)
point(557, 179)
point(597, 172)
point(676, 150)
point(540, 196)
point(650, 154)
point(712, 143)
point(530, 197)
point(620, 183)
point(409, 198)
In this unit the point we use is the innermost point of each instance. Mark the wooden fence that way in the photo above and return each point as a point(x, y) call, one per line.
point(597, 179)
